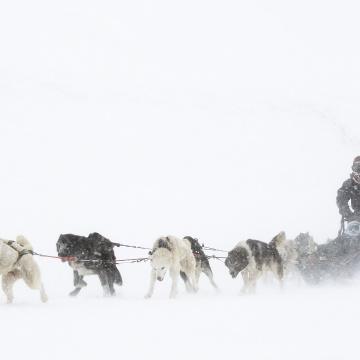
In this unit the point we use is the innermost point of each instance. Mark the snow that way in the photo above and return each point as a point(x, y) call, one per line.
point(143, 118)
point(315, 323)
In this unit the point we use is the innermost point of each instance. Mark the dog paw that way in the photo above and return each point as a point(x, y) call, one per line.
point(147, 296)
point(44, 298)
point(75, 292)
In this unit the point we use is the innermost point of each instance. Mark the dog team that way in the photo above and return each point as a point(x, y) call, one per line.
point(181, 258)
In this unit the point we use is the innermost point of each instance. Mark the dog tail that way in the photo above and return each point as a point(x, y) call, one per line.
point(278, 240)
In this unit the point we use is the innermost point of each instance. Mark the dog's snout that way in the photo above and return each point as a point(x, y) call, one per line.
point(159, 278)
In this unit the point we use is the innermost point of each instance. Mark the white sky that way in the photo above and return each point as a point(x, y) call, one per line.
point(142, 118)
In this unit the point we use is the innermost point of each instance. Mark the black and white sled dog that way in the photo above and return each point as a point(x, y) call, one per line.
point(253, 258)
point(17, 262)
point(173, 254)
point(96, 248)
point(202, 263)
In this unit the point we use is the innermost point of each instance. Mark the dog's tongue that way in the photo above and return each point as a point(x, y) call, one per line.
point(68, 258)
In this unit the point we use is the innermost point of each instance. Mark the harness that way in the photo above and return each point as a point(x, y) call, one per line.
point(20, 253)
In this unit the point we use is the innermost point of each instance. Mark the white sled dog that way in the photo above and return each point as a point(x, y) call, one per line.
point(173, 254)
point(17, 262)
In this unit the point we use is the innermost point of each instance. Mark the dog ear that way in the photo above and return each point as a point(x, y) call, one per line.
point(278, 239)
point(164, 243)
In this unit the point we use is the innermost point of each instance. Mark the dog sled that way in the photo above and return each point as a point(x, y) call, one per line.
point(337, 259)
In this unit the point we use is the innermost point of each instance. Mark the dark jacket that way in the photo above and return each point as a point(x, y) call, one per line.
point(349, 191)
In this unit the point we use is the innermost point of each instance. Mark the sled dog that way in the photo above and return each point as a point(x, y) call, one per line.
point(17, 262)
point(173, 254)
point(253, 258)
point(93, 255)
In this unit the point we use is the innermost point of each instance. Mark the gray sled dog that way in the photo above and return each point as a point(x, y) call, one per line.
point(253, 258)
point(173, 254)
point(17, 262)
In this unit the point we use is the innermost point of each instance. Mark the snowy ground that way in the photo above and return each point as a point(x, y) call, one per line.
point(298, 323)
point(221, 120)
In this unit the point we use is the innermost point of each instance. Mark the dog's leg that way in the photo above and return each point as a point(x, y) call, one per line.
point(8, 281)
point(208, 272)
point(152, 284)
point(43, 296)
point(174, 274)
point(245, 277)
point(75, 292)
point(117, 276)
point(79, 283)
point(79, 280)
point(193, 270)
point(111, 279)
point(76, 278)
point(30, 272)
point(279, 274)
point(253, 280)
point(111, 288)
point(104, 282)
point(191, 283)
point(114, 277)
point(197, 274)
point(188, 286)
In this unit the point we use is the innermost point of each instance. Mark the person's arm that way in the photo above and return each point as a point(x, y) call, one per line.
point(343, 198)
